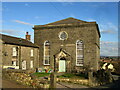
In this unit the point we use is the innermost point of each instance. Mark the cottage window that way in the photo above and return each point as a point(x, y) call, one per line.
point(46, 53)
point(79, 53)
point(14, 63)
point(31, 53)
point(14, 51)
point(31, 64)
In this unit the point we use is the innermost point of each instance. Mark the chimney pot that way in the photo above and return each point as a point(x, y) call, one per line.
point(26, 33)
point(27, 36)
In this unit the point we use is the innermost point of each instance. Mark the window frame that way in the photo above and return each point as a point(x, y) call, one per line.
point(80, 57)
point(46, 43)
point(61, 34)
point(31, 52)
point(14, 51)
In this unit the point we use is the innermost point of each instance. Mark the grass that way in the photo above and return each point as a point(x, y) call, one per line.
point(70, 75)
point(40, 74)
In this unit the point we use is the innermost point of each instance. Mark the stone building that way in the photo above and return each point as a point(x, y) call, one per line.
point(18, 53)
point(68, 45)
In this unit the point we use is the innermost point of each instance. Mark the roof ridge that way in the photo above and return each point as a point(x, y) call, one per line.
point(15, 37)
point(11, 36)
point(64, 20)
point(16, 41)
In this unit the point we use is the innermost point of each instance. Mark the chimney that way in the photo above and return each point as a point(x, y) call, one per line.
point(27, 36)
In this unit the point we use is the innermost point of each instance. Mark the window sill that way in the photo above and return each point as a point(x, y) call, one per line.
point(79, 65)
point(46, 64)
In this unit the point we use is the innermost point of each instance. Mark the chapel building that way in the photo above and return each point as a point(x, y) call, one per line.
point(68, 45)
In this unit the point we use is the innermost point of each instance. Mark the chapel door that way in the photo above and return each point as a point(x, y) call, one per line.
point(62, 66)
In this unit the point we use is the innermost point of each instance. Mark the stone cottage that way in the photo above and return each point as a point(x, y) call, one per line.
point(68, 45)
point(18, 53)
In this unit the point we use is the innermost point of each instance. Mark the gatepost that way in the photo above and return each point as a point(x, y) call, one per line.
point(53, 77)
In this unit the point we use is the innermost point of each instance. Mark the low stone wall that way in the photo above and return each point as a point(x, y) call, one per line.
point(26, 79)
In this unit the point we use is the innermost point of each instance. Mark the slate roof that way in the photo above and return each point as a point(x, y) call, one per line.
point(69, 20)
point(16, 41)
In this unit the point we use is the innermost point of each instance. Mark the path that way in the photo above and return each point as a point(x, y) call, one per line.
point(11, 84)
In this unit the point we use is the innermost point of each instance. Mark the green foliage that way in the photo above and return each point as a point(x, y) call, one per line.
point(117, 67)
point(41, 74)
point(103, 76)
point(101, 63)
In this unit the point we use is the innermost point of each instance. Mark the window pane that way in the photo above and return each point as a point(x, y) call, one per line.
point(31, 52)
point(14, 51)
point(79, 53)
point(46, 52)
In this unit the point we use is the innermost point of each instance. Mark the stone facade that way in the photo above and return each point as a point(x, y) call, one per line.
point(21, 58)
point(75, 29)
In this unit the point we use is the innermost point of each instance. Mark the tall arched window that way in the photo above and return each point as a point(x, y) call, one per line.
point(46, 53)
point(79, 53)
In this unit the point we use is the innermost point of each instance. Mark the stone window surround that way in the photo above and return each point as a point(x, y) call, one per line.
point(14, 51)
point(82, 56)
point(61, 33)
point(48, 56)
point(31, 52)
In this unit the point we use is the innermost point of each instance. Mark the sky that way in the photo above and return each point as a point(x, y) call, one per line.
point(19, 17)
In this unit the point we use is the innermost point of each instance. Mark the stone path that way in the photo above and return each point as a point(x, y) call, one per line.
point(70, 85)
point(11, 84)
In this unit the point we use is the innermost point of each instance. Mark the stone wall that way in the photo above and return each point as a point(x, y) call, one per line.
point(75, 81)
point(24, 78)
point(7, 56)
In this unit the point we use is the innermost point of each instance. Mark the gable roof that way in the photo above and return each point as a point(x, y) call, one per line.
point(69, 20)
point(16, 41)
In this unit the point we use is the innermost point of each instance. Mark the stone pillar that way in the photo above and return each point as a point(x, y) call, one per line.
point(52, 81)
point(90, 77)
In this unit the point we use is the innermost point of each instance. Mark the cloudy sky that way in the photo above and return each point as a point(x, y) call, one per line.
point(19, 17)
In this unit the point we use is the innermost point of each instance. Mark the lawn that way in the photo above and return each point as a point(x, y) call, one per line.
point(70, 75)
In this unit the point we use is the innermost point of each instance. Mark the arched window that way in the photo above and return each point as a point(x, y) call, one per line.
point(46, 53)
point(79, 53)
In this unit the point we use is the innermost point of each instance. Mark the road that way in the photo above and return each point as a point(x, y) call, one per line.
point(11, 84)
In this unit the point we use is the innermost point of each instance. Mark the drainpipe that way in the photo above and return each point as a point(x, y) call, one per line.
point(20, 64)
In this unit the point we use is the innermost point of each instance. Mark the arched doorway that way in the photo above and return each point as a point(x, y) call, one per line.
point(62, 64)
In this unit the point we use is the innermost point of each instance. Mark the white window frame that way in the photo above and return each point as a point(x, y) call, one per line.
point(46, 55)
point(14, 51)
point(31, 52)
point(80, 57)
point(14, 63)
point(31, 64)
